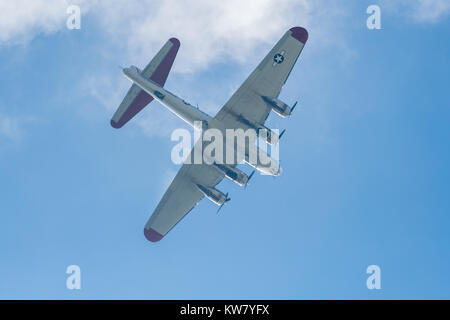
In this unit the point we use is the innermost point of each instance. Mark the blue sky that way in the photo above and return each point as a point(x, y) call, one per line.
point(365, 158)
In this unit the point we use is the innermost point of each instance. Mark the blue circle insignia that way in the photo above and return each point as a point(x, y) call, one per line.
point(278, 58)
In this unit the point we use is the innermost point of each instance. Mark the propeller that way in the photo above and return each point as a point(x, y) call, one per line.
point(226, 200)
point(293, 107)
point(249, 177)
point(281, 134)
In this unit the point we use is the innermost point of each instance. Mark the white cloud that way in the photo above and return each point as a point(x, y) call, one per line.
point(431, 10)
point(21, 20)
point(209, 30)
point(212, 31)
point(420, 11)
point(13, 127)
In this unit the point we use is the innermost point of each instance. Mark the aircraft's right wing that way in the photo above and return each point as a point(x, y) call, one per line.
point(181, 196)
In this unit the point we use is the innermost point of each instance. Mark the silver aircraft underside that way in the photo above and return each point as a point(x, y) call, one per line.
point(248, 108)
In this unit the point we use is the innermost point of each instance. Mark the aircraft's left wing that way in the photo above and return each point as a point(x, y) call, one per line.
point(181, 196)
point(247, 104)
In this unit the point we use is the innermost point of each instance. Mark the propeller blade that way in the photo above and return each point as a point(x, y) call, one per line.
point(293, 107)
point(281, 134)
point(220, 208)
point(226, 200)
point(249, 177)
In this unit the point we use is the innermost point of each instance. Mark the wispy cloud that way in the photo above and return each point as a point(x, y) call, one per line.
point(211, 32)
point(420, 11)
point(10, 128)
point(21, 20)
point(431, 10)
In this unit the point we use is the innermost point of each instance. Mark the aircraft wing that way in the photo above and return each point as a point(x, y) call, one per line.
point(266, 80)
point(181, 196)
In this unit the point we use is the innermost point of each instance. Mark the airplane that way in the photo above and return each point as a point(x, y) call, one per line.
point(248, 108)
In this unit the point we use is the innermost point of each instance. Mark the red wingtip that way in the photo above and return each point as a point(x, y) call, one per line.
point(175, 41)
point(299, 33)
point(116, 124)
point(152, 235)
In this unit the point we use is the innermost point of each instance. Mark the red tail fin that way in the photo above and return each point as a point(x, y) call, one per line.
point(157, 70)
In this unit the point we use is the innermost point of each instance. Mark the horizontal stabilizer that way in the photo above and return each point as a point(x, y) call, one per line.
point(157, 70)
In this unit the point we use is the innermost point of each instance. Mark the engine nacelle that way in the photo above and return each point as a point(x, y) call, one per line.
point(214, 195)
point(265, 133)
point(278, 106)
point(262, 162)
point(272, 170)
point(233, 174)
